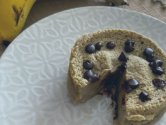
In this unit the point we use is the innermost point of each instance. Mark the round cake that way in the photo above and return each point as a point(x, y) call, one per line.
point(130, 65)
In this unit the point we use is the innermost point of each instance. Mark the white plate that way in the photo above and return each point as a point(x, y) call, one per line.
point(33, 69)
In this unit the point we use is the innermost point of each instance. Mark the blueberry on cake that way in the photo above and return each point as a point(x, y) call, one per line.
point(130, 65)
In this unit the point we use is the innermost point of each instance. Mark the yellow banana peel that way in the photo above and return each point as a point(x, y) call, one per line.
point(13, 15)
point(109, 1)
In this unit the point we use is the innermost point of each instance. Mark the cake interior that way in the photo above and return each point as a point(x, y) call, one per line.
point(114, 83)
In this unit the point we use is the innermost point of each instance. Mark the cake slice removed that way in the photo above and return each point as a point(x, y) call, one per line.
point(129, 64)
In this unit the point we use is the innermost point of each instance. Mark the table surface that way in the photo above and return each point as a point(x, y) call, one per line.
point(44, 8)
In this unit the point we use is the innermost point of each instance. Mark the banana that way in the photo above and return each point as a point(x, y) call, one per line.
point(13, 15)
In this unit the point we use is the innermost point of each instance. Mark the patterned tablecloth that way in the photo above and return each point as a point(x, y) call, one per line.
point(44, 8)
